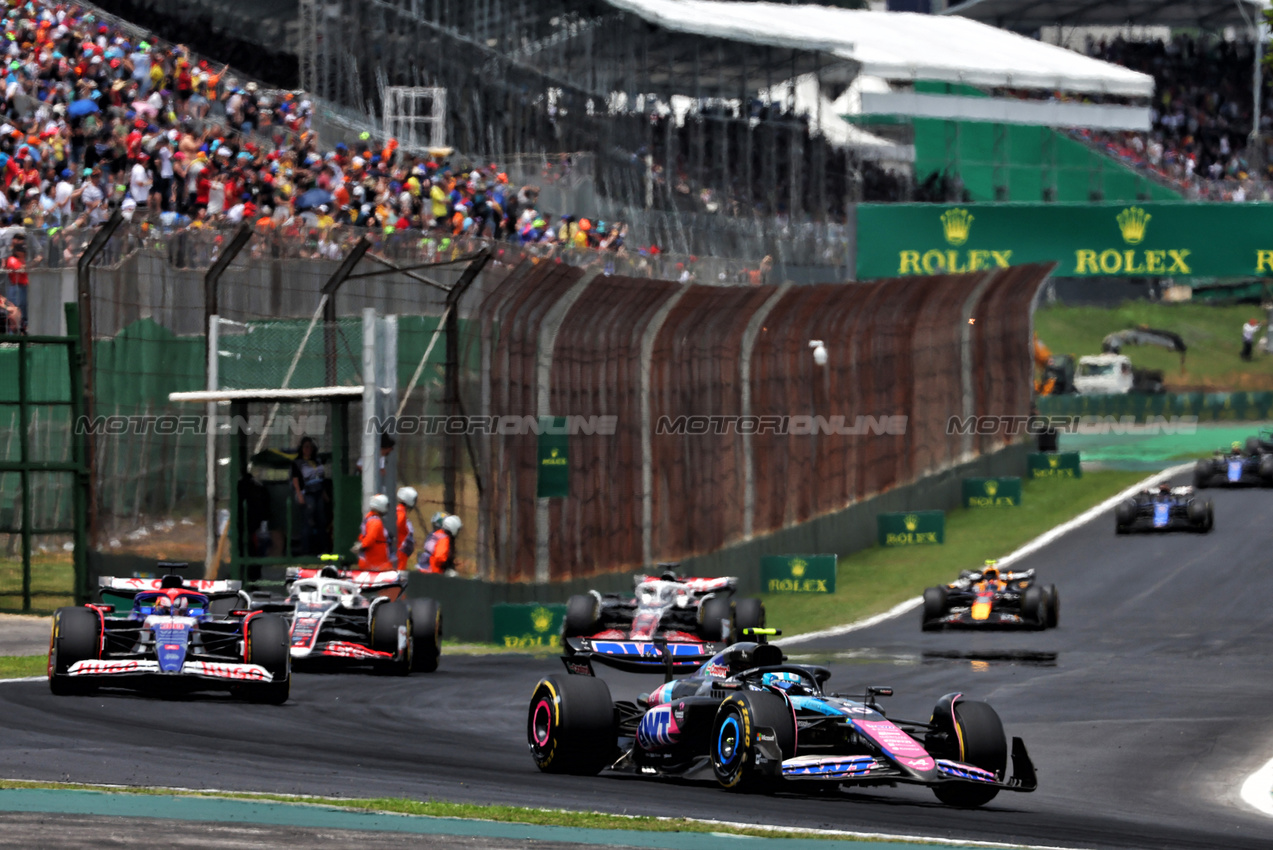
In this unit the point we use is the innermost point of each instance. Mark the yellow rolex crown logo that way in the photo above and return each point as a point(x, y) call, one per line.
point(541, 618)
point(992, 487)
point(1053, 461)
point(798, 567)
point(911, 521)
point(554, 452)
point(956, 223)
point(1132, 222)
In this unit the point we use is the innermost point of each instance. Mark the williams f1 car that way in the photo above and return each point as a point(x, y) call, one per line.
point(1234, 467)
point(1165, 509)
point(681, 609)
point(991, 598)
point(172, 635)
point(359, 617)
point(748, 719)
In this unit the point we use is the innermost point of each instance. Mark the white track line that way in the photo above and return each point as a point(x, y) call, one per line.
point(24, 679)
point(1257, 790)
point(1028, 549)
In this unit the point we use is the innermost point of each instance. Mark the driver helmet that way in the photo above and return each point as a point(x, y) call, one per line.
point(990, 572)
point(668, 575)
point(1164, 489)
point(792, 683)
point(1236, 447)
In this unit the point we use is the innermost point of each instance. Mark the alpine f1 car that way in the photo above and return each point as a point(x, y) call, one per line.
point(1165, 509)
point(990, 598)
point(748, 719)
point(1234, 467)
point(173, 635)
point(681, 609)
point(359, 617)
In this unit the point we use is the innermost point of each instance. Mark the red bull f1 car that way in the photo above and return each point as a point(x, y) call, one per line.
point(359, 617)
point(991, 598)
point(747, 719)
point(1165, 509)
point(680, 609)
point(170, 635)
point(1236, 467)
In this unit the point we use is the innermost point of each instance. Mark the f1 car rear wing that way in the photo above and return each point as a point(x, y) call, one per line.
point(635, 656)
point(365, 579)
point(137, 585)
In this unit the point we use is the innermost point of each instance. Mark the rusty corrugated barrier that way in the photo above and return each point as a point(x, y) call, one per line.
point(724, 424)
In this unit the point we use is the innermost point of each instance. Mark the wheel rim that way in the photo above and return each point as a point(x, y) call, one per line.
point(541, 724)
point(727, 741)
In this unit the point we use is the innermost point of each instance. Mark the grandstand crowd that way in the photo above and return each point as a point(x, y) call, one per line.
point(1201, 116)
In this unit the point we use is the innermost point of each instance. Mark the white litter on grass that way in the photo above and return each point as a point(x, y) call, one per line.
point(1257, 790)
point(68, 547)
point(1012, 557)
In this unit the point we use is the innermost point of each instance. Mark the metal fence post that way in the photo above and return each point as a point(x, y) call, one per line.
point(451, 398)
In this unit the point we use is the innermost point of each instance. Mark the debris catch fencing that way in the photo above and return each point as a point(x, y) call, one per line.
point(701, 416)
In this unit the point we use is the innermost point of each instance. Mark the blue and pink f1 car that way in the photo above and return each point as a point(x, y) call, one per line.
point(747, 718)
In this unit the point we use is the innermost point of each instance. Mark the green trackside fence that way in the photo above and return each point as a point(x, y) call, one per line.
point(1188, 409)
point(41, 452)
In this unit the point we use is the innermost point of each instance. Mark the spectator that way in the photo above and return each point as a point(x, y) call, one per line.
point(16, 292)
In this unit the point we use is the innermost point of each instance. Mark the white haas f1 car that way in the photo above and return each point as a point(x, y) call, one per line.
point(360, 617)
point(175, 636)
point(748, 719)
point(679, 609)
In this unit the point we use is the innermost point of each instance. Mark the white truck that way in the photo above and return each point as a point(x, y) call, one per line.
point(1113, 374)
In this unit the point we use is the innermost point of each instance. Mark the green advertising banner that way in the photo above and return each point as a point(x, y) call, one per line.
point(992, 492)
point(1055, 465)
point(554, 459)
point(1178, 240)
point(528, 626)
point(1172, 411)
point(798, 573)
point(911, 529)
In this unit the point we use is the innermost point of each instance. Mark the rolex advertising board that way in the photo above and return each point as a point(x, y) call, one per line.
point(1178, 240)
point(992, 492)
point(798, 573)
point(1055, 465)
point(528, 626)
point(913, 528)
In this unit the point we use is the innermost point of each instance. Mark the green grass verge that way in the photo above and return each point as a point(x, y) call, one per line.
point(1212, 333)
point(52, 583)
point(468, 811)
point(21, 666)
point(876, 579)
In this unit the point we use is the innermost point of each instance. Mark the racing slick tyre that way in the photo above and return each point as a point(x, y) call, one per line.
point(749, 614)
point(1124, 516)
point(1054, 606)
point(388, 621)
point(1202, 515)
point(1201, 474)
point(1034, 606)
point(1252, 446)
point(426, 635)
point(77, 636)
point(980, 742)
point(583, 613)
point(715, 618)
point(733, 739)
point(934, 608)
point(571, 725)
point(267, 643)
point(1266, 470)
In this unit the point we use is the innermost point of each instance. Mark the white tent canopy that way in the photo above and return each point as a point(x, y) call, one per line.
point(898, 45)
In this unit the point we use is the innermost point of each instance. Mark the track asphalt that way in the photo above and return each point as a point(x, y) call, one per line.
point(1143, 712)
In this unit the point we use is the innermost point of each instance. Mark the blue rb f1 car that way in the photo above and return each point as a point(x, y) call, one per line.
point(748, 719)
